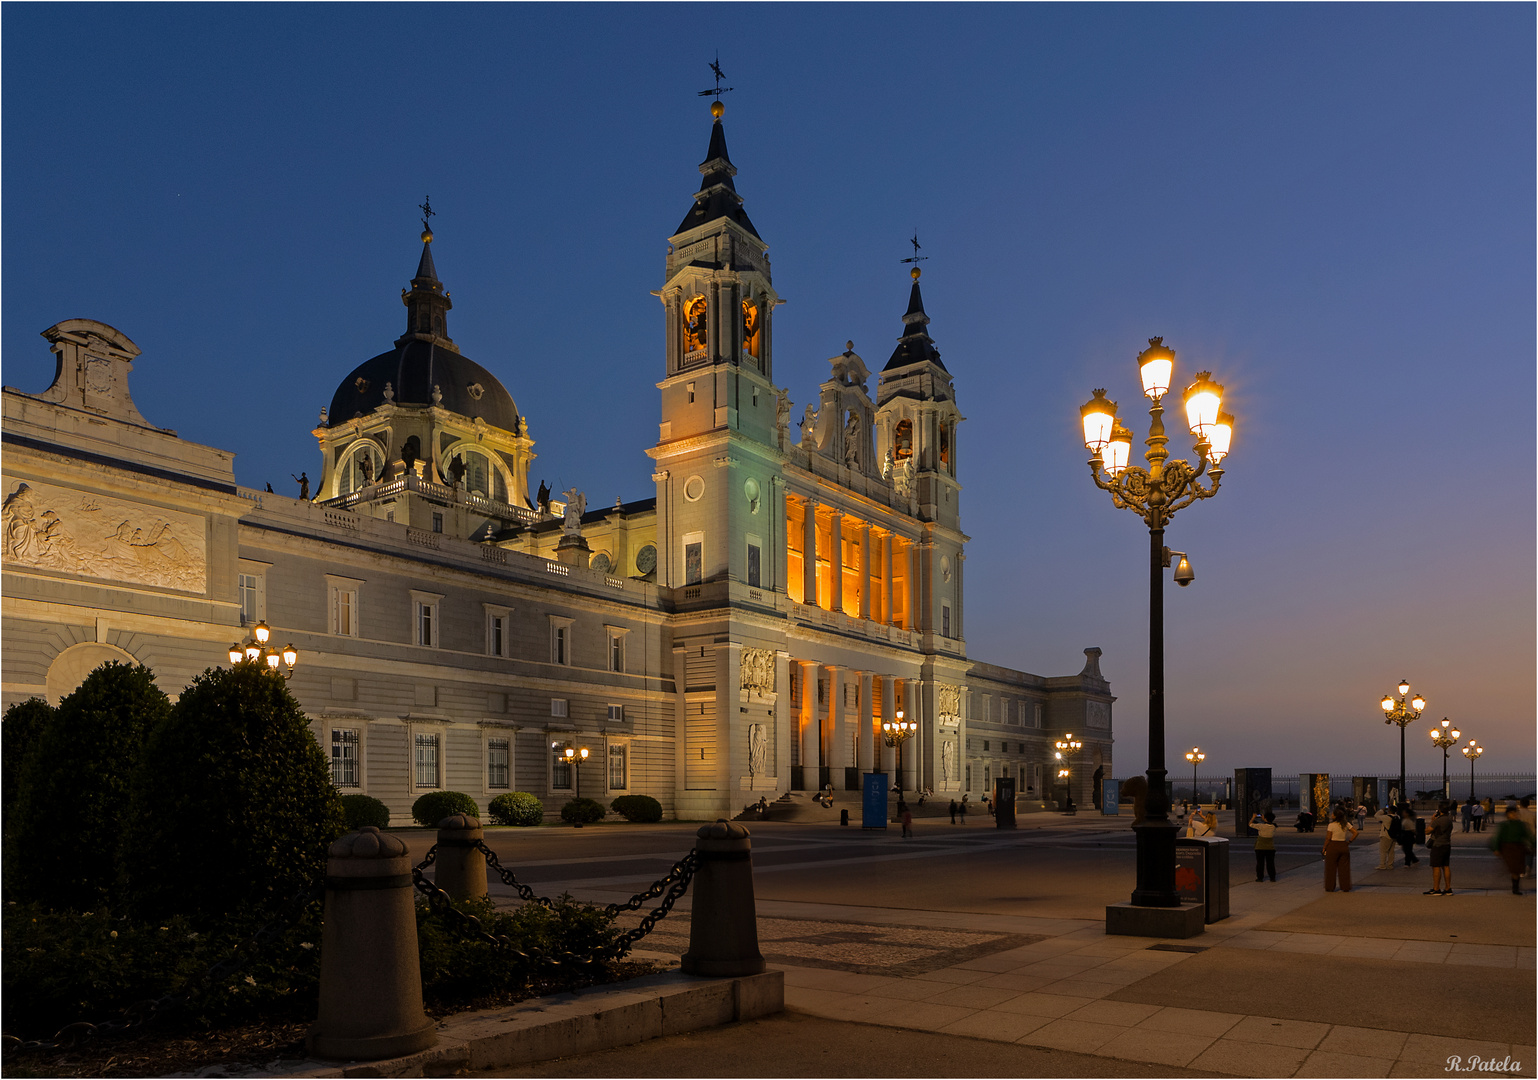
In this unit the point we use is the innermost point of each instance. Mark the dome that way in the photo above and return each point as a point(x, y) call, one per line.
point(412, 369)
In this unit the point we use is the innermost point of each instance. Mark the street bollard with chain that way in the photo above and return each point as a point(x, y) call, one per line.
point(370, 976)
point(461, 867)
point(723, 925)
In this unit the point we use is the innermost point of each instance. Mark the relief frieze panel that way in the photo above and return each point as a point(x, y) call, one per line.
point(96, 536)
point(948, 705)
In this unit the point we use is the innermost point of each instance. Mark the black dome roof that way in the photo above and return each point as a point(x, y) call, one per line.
point(412, 369)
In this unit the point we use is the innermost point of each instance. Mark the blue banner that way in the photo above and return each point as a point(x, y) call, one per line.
point(873, 805)
point(1110, 796)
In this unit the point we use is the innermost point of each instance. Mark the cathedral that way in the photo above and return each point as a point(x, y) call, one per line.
point(793, 592)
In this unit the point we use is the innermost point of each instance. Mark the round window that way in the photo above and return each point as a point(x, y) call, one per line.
point(602, 563)
point(694, 487)
point(646, 559)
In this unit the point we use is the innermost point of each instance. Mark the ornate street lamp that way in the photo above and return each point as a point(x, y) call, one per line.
point(1066, 745)
point(1444, 736)
point(574, 756)
point(1402, 712)
point(1472, 751)
point(255, 651)
point(894, 733)
point(1195, 757)
point(1154, 494)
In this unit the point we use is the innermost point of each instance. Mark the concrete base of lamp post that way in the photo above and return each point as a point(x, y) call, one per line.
point(1131, 920)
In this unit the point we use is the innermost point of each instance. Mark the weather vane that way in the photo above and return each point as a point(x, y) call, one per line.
point(917, 258)
point(426, 206)
point(719, 90)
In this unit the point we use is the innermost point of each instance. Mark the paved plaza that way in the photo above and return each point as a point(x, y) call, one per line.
point(981, 937)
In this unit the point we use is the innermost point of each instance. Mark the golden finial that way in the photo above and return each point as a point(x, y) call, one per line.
point(717, 109)
point(916, 272)
point(427, 236)
point(917, 258)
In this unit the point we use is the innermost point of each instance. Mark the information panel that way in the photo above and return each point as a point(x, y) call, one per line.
point(874, 803)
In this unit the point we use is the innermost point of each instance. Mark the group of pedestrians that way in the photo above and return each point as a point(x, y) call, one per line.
point(1476, 813)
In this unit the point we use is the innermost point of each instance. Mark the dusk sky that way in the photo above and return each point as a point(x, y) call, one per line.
point(1330, 207)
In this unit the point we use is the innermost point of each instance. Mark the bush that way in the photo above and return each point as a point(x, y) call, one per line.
point(516, 808)
point(232, 804)
point(437, 805)
point(361, 810)
point(75, 793)
point(637, 808)
point(585, 811)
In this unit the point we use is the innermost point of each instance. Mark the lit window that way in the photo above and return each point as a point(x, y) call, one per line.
point(497, 763)
point(427, 761)
point(344, 757)
point(617, 770)
point(616, 714)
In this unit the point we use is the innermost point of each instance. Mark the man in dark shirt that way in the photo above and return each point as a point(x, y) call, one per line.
point(1439, 838)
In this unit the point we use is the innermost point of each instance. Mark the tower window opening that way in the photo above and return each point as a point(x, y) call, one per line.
point(902, 440)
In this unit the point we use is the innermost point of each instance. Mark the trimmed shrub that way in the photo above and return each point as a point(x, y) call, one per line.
point(437, 805)
point(233, 805)
point(19, 734)
point(76, 786)
point(516, 808)
point(361, 810)
point(637, 808)
point(585, 811)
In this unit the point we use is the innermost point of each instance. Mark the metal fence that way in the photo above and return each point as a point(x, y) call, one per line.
point(1284, 786)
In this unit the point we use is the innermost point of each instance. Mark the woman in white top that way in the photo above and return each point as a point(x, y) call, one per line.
point(1338, 835)
point(1385, 818)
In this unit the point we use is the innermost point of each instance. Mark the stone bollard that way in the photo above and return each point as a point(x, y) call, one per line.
point(723, 924)
point(461, 869)
point(370, 976)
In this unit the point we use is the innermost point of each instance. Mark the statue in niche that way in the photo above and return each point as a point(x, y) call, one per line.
point(576, 505)
point(886, 465)
point(948, 759)
point(366, 467)
point(852, 441)
point(409, 453)
point(456, 471)
point(905, 477)
point(758, 749)
point(809, 427)
point(782, 415)
point(544, 498)
point(303, 480)
point(694, 324)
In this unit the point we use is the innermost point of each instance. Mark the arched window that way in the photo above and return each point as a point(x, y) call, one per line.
point(362, 465)
point(485, 474)
point(694, 324)
point(750, 328)
point(945, 447)
point(902, 440)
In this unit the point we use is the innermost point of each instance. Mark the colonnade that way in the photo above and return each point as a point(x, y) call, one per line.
point(885, 564)
point(838, 741)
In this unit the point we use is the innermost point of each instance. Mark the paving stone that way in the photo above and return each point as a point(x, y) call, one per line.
point(1304, 1034)
point(1240, 1057)
point(1039, 1004)
point(1323, 1063)
point(1122, 1013)
point(1364, 1042)
point(1192, 1021)
point(1161, 1047)
point(1078, 1035)
point(992, 1024)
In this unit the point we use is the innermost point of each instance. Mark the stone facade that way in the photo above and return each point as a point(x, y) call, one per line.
point(743, 634)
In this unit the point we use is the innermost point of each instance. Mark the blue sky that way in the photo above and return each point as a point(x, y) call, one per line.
point(1331, 207)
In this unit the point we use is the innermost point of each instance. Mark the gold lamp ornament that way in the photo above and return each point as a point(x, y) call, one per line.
point(256, 651)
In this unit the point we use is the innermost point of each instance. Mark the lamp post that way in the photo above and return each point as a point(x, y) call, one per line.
point(574, 756)
point(255, 651)
point(1195, 757)
point(894, 733)
point(1402, 712)
point(1066, 745)
point(1154, 494)
point(1472, 751)
point(1443, 737)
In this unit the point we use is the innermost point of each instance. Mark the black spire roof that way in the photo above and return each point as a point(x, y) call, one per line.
point(717, 197)
point(915, 346)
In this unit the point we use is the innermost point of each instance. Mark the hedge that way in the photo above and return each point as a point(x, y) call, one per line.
point(516, 808)
point(437, 805)
point(361, 810)
point(637, 808)
point(582, 811)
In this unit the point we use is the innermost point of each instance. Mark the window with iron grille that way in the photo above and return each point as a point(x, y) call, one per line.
point(497, 763)
point(617, 763)
point(560, 772)
point(344, 757)
point(427, 761)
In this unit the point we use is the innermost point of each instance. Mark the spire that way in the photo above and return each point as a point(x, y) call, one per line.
point(914, 345)
point(717, 197)
point(427, 304)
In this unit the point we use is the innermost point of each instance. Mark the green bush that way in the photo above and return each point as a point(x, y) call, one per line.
point(637, 808)
point(75, 791)
point(516, 808)
point(585, 811)
point(20, 732)
point(232, 805)
point(361, 810)
point(437, 805)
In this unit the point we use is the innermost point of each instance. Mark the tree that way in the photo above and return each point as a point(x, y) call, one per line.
point(233, 805)
point(19, 734)
point(75, 786)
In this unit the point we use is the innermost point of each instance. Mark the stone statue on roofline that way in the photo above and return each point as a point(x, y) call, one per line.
point(576, 506)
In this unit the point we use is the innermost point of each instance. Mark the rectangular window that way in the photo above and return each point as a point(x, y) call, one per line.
point(945, 620)
point(985, 744)
point(557, 706)
point(343, 605)
point(691, 393)
point(495, 636)
point(344, 757)
point(616, 648)
point(617, 771)
point(427, 761)
point(248, 597)
point(437, 523)
point(753, 565)
point(693, 563)
point(560, 771)
point(497, 763)
point(427, 624)
point(616, 714)
point(560, 647)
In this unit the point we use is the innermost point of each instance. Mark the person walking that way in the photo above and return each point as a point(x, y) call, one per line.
point(953, 811)
point(1265, 845)
point(1439, 838)
point(1513, 839)
point(964, 799)
point(1338, 835)
point(1479, 817)
point(1406, 836)
point(1468, 814)
point(1388, 835)
point(907, 819)
point(1525, 812)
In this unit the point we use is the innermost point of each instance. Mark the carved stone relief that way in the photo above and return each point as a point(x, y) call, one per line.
point(948, 759)
point(758, 749)
point(948, 704)
point(1097, 714)
point(95, 536)
point(758, 672)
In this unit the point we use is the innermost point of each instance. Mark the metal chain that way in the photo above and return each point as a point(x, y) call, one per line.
point(683, 874)
point(440, 903)
point(144, 1012)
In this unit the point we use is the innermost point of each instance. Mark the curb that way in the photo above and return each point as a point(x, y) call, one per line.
point(563, 1025)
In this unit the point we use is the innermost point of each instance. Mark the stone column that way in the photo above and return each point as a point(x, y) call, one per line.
point(913, 587)
point(731, 732)
point(783, 707)
point(956, 589)
point(809, 553)
point(869, 735)
point(680, 723)
point(914, 709)
point(838, 744)
point(865, 570)
point(811, 756)
point(836, 561)
point(888, 715)
point(886, 553)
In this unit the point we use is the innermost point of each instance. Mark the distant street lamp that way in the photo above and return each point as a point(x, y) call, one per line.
point(894, 733)
point(1472, 751)
point(1154, 494)
point(1066, 745)
point(255, 651)
point(1443, 737)
point(574, 756)
point(1402, 713)
point(1195, 757)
